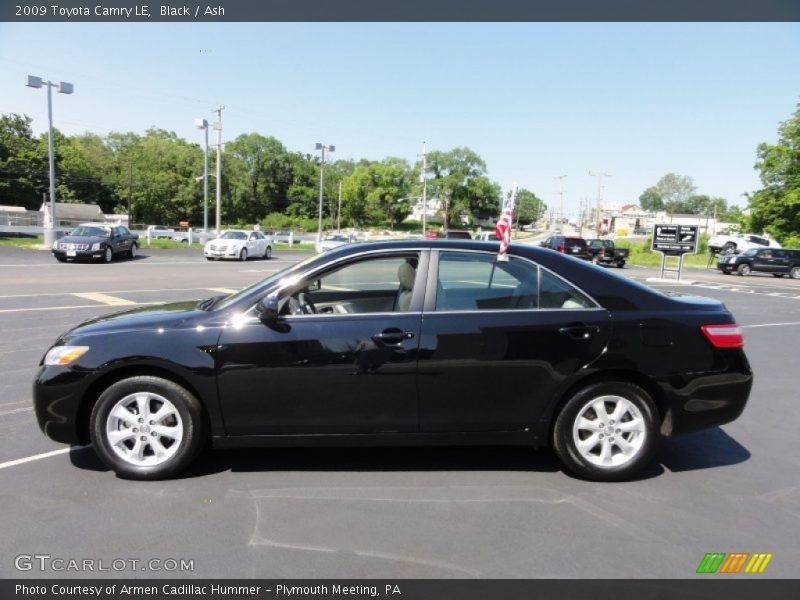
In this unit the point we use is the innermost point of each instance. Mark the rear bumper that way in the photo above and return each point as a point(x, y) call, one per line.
point(708, 400)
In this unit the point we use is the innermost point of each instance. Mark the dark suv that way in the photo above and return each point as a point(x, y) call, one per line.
point(574, 246)
point(778, 261)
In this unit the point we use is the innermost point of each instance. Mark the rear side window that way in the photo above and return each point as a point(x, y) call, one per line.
point(472, 281)
point(554, 292)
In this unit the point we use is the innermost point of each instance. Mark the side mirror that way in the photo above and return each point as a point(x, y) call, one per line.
point(268, 307)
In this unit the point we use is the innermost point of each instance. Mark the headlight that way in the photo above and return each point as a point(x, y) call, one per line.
point(64, 355)
point(55, 245)
point(96, 247)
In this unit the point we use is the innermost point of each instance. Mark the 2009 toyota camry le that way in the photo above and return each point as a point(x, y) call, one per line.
point(396, 343)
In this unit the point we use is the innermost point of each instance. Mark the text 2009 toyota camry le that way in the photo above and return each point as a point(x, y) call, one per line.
point(414, 342)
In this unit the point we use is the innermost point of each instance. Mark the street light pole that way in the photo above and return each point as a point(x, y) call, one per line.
point(424, 178)
point(323, 148)
point(561, 194)
point(218, 127)
point(203, 124)
point(63, 88)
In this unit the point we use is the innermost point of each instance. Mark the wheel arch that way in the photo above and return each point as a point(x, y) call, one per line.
point(620, 375)
point(97, 387)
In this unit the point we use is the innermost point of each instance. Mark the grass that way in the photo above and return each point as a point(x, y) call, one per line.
point(642, 256)
point(36, 243)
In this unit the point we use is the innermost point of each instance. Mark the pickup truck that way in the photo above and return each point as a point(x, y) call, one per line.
point(604, 252)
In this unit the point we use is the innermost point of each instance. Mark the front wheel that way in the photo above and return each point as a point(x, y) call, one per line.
point(243, 254)
point(607, 431)
point(147, 427)
point(795, 273)
point(108, 255)
point(743, 270)
point(268, 252)
point(134, 251)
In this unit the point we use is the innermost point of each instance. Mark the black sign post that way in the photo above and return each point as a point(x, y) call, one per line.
point(672, 239)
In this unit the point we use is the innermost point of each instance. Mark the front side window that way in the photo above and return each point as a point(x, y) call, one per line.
point(370, 285)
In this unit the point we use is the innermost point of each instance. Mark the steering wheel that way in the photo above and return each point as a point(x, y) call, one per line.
point(306, 305)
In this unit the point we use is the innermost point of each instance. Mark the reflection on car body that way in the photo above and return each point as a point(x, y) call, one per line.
point(412, 342)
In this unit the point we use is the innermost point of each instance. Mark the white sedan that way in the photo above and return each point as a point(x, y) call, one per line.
point(239, 244)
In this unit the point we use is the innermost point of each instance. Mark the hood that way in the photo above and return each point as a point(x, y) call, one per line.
point(173, 315)
point(221, 241)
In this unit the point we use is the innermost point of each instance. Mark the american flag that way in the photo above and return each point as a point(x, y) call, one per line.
point(503, 227)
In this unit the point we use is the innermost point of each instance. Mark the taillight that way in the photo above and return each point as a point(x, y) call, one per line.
point(561, 248)
point(724, 336)
point(602, 251)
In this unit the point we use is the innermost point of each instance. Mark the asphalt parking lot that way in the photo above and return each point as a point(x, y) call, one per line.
point(421, 512)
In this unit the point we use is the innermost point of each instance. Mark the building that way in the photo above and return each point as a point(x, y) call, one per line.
point(70, 215)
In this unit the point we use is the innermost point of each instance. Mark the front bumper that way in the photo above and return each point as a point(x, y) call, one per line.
point(57, 395)
point(79, 254)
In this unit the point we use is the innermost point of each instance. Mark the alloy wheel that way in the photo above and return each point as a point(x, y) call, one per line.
point(109, 255)
point(609, 431)
point(144, 429)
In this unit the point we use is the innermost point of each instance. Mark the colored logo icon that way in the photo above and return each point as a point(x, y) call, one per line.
point(734, 563)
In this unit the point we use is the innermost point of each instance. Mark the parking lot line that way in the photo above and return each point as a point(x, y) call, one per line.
point(27, 459)
point(15, 411)
point(770, 325)
point(16, 310)
point(104, 298)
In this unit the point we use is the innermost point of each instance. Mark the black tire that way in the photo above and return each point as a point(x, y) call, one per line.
point(268, 252)
point(209, 258)
point(108, 255)
point(188, 407)
point(133, 251)
point(565, 445)
point(729, 248)
point(778, 274)
point(743, 270)
point(61, 258)
point(243, 254)
point(725, 272)
point(620, 265)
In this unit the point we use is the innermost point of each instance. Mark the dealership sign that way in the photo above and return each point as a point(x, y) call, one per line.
point(670, 238)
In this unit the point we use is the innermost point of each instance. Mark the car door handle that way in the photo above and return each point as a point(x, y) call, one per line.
point(392, 336)
point(579, 331)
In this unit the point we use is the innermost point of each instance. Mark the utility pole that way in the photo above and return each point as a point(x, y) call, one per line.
point(561, 194)
point(218, 127)
point(339, 211)
point(424, 177)
point(599, 175)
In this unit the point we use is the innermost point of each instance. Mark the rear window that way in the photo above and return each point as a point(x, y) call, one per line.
point(575, 242)
point(458, 235)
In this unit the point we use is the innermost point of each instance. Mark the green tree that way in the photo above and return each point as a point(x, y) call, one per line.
point(529, 207)
point(23, 165)
point(776, 207)
point(650, 200)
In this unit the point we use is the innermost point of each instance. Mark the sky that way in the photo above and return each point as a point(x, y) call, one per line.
point(535, 100)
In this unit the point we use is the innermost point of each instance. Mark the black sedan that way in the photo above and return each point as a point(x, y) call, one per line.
point(96, 241)
point(393, 343)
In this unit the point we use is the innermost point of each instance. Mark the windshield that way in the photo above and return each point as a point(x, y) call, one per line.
point(233, 235)
point(90, 231)
point(264, 282)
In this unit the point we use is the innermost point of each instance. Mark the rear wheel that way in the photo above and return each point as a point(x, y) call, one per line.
point(620, 265)
point(147, 427)
point(743, 270)
point(607, 431)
